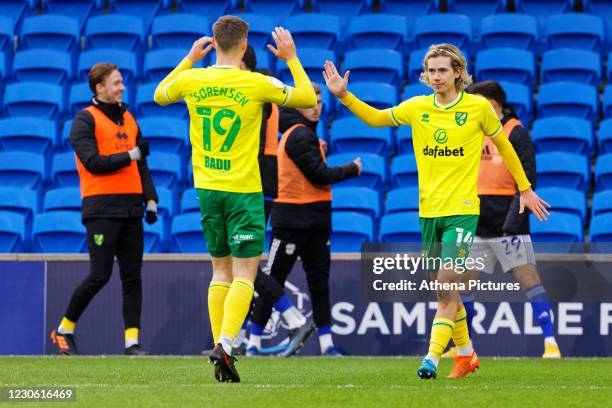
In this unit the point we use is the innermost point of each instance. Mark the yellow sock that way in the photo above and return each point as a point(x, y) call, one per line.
point(67, 326)
point(217, 292)
point(461, 334)
point(237, 304)
point(441, 333)
point(131, 336)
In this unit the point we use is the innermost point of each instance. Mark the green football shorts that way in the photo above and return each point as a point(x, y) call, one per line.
point(447, 238)
point(233, 223)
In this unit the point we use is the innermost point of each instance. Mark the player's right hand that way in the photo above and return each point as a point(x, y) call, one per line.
point(335, 83)
point(200, 48)
point(357, 161)
point(285, 47)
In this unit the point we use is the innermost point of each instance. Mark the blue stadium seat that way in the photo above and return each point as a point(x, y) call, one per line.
point(155, 236)
point(62, 199)
point(602, 8)
point(404, 171)
point(607, 101)
point(380, 95)
point(561, 169)
point(543, 9)
point(209, 8)
point(312, 60)
point(400, 227)
point(165, 169)
point(357, 199)
point(44, 65)
point(282, 8)
point(179, 30)
point(563, 133)
point(442, 28)
point(127, 61)
point(559, 228)
point(402, 200)
point(168, 203)
point(260, 29)
point(476, 10)
point(602, 203)
point(17, 9)
point(575, 30)
point(26, 134)
point(12, 232)
point(190, 201)
point(36, 99)
point(519, 96)
point(64, 171)
point(187, 235)
point(568, 99)
point(119, 31)
point(603, 172)
point(416, 89)
point(506, 64)
point(314, 30)
point(79, 97)
point(404, 140)
point(4, 74)
point(377, 31)
point(81, 9)
point(512, 30)
point(350, 230)
point(265, 60)
point(59, 232)
point(374, 65)
point(374, 172)
point(165, 134)
point(415, 64)
point(21, 169)
point(350, 134)
point(604, 136)
point(65, 137)
point(159, 63)
point(410, 8)
point(58, 32)
point(345, 9)
point(22, 202)
point(146, 106)
point(600, 233)
point(565, 200)
point(146, 10)
point(6, 34)
point(571, 65)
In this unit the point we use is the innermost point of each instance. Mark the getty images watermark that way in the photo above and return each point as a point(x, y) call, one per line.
point(407, 273)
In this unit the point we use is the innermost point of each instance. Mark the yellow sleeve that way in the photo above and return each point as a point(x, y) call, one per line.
point(491, 126)
point(511, 160)
point(368, 114)
point(169, 89)
point(300, 96)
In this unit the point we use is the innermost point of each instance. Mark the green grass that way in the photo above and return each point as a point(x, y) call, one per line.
point(313, 382)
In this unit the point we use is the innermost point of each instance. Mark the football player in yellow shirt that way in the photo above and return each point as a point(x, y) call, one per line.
point(225, 109)
point(448, 129)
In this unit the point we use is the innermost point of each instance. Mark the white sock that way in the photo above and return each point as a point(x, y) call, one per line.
point(434, 359)
point(254, 341)
point(129, 343)
point(550, 340)
point(62, 330)
point(226, 342)
point(240, 338)
point(465, 351)
point(294, 318)
point(325, 341)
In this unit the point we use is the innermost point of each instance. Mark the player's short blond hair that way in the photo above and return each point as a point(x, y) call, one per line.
point(458, 62)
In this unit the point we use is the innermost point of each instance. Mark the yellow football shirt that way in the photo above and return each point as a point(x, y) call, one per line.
point(225, 110)
point(448, 145)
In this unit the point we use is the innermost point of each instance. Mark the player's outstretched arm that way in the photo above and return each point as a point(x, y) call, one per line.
point(337, 85)
point(303, 95)
point(166, 93)
point(529, 198)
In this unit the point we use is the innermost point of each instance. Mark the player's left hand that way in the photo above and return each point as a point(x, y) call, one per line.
point(537, 206)
point(200, 48)
point(285, 47)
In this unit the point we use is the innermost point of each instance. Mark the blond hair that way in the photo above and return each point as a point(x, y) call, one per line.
point(458, 62)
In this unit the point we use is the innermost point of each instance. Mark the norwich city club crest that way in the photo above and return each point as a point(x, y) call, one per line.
point(98, 239)
point(461, 118)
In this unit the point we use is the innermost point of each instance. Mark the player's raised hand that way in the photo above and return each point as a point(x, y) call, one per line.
point(537, 206)
point(335, 83)
point(200, 48)
point(285, 47)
